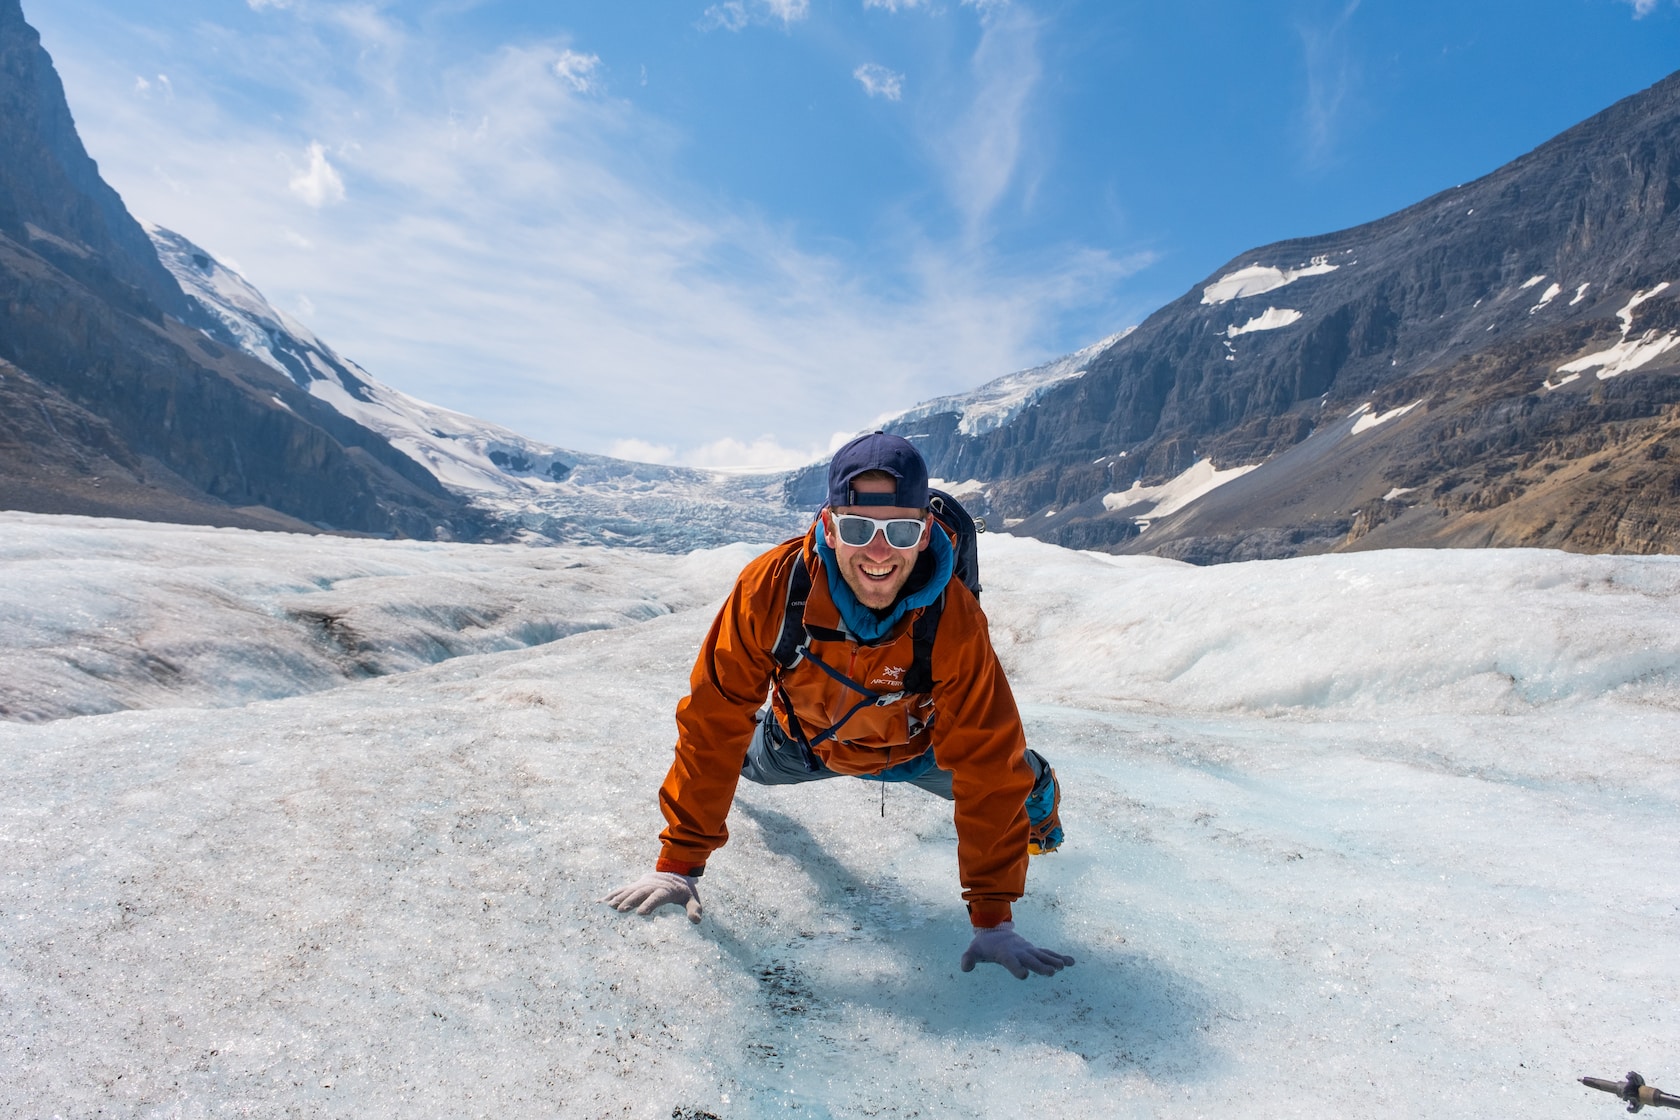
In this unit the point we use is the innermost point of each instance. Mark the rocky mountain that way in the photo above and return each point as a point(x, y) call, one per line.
point(1495, 365)
point(122, 397)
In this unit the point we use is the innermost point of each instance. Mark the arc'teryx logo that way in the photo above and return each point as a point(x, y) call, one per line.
point(890, 677)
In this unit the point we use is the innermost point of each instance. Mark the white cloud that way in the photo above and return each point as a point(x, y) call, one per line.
point(1643, 8)
point(762, 454)
point(789, 10)
point(320, 184)
point(641, 451)
point(892, 5)
point(578, 70)
point(259, 5)
point(733, 15)
point(878, 81)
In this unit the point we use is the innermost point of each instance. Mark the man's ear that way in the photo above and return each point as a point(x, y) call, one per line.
point(927, 533)
point(826, 516)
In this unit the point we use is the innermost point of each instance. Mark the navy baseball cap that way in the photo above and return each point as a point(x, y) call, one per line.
point(878, 451)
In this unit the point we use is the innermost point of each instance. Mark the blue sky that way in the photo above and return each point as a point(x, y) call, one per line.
point(720, 232)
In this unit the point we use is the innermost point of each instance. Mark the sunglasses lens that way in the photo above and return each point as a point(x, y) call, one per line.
point(855, 531)
point(904, 534)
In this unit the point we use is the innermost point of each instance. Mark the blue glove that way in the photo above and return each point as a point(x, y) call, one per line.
point(1002, 945)
point(656, 889)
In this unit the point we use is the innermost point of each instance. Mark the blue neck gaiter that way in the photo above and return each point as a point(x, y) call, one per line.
point(869, 625)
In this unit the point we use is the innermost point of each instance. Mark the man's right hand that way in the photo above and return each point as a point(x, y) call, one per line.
point(656, 889)
point(1002, 945)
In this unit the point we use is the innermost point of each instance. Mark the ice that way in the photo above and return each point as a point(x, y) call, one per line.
point(1393, 827)
point(97, 615)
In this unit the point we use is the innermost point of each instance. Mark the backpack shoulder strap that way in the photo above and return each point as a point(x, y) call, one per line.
point(790, 639)
point(919, 677)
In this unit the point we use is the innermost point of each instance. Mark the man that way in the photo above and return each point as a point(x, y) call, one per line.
point(874, 563)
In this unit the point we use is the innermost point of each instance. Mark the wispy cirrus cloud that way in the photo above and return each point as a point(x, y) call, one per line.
point(981, 148)
point(733, 15)
point(878, 81)
point(1331, 75)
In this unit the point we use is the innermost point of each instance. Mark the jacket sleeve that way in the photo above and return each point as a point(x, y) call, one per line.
point(729, 683)
point(978, 736)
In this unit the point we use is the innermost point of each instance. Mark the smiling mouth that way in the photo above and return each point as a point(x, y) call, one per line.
point(871, 571)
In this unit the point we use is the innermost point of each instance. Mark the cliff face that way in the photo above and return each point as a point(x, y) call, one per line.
point(1470, 306)
point(94, 327)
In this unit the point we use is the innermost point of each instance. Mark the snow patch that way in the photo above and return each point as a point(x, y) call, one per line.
point(1626, 313)
point(1531, 281)
point(1580, 293)
point(1368, 420)
point(1628, 354)
point(1551, 293)
point(1173, 495)
point(1257, 279)
point(1269, 320)
point(1398, 491)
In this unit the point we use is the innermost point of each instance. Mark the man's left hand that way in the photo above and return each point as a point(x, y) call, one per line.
point(1002, 945)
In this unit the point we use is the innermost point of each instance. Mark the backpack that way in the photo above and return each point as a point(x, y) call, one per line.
point(794, 638)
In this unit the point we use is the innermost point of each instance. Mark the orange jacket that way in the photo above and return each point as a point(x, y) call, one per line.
point(970, 720)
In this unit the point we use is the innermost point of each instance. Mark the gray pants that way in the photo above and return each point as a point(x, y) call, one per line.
point(775, 760)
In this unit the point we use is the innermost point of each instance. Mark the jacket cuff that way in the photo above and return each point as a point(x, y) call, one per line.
point(681, 867)
point(985, 915)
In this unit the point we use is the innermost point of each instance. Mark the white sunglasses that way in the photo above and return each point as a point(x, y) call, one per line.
point(857, 530)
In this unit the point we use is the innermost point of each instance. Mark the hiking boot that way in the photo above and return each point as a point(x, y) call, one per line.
point(1044, 832)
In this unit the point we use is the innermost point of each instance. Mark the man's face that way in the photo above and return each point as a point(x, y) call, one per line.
point(877, 571)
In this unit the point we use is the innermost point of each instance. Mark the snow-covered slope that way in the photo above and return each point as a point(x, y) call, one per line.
point(560, 495)
point(997, 402)
point(1393, 827)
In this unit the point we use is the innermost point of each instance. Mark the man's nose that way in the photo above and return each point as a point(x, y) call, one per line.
point(878, 545)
